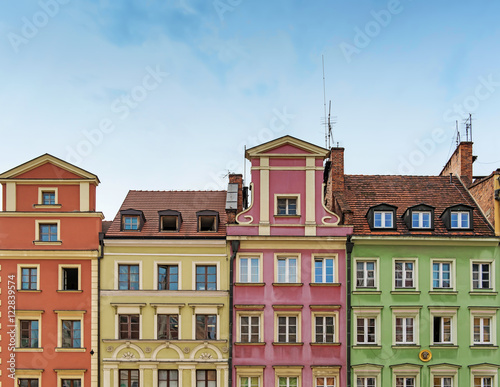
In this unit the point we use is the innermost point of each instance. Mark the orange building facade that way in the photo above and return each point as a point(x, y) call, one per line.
point(49, 251)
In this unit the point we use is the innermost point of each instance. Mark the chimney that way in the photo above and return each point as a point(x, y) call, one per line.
point(460, 163)
point(234, 200)
point(334, 176)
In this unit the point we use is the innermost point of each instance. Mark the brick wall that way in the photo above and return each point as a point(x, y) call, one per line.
point(460, 163)
point(484, 194)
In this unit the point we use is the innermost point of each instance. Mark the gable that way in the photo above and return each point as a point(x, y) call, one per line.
point(286, 146)
point(48, 171)
point(287, 149)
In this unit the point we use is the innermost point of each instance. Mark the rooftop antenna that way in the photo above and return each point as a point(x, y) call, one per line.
point(468, 127)
point(458, 133)
point(324, 101)
point(329, 124)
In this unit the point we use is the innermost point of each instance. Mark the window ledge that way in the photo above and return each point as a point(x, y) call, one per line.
point(47, 205)
point(443, 346)
point(404, 291)
point(28, 291)
point(38, 349)
point(483, 346)
point(69, 291)
point(242, 343)
point(286, 216)
point(288, 284)
point(325, 284)
point(402, 346)
point(51, 243)
point(363, 346)
point(335, 344)
point(483, 293)
point(450, 292)
point(367, 291)
point(60, 349)
point(249, 283)
point(288, 344)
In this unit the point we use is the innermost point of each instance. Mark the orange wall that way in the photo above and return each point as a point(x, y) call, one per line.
point(48, 171)
point(68, 197)
point(76, 233)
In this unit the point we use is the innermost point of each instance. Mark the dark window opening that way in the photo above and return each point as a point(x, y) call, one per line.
point(70, 279)
point(169, 223)
point(207, 223)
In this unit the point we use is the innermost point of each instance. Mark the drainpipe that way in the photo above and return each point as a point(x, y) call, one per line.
point(235, 245)
point(348, 247)
point(98, 349)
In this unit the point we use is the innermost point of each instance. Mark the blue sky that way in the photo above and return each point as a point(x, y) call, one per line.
point(165, 94)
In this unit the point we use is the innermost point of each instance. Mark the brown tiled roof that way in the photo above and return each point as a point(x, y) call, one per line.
point(106, 224)
point(363, 191)
point(186, 202)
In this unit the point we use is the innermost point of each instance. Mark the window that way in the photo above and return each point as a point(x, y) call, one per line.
point(482, 329)
point(130, 222)
point(168, 378)
point(404, 274)
point(325, 376)
point(28, 382)
point(48, 197)
point(287, 329)
point(70, 278)
point(443, 326)
point(129, 378)
point(441, 275)
point(249, 328)
point(365, 274)
point(288, 381)
point(404, 330)
point(48, 232)
point(325, 382)
point(71, 334)
point(324, 330)
point(443, 381)
point(287, 206)
point(382, 219)
point(481, 275)
point(71, 382)
point(29, 279)
point(170, 220)
point(206, 327)
point(365, 330)
point(442, 330)
point(168, 277)
point(208, 221)
point(287, 270)
point(405, 381)
point(128, 277)
point(365, 382)
point(249, 381)
point(249, 269)
point(129, 326)
point(29, 333)
point(206, 378)
point(206, 277)
point(421, 219)
point(460, 219)
point(483, 381)
point(324, 270)
point(168, 326)
point(483, 325)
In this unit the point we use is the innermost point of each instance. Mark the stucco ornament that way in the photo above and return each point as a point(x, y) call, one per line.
point(225, 349)
point(128, 355)
point(147, 349)
point(206, 356)
point(186, 350)
point(110, 348)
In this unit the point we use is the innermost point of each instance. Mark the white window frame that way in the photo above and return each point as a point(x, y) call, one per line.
point(366, 313)
point(281, 256)
point(325, 372)
point(287, 197)
point(479, 312)
point(413, 313)
point(239, 258)
point(375, 274)
point(460, 219)
point(414, 261)
point(484, 370)
point(383, 219)
point(288, 372)
point(489, 262)
point(446, 313)
point(420, 219)
point(367, 371)
point(323, 258)
point(406, 371)
point(453, 276)
point(250, 313)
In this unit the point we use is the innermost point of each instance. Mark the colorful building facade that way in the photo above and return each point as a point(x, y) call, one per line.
point(424, 281)
point(165, 291)
point(288, 265)
point(49, 248)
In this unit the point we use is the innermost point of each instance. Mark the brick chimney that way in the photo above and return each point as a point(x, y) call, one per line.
point(334, 175)
point(234, 202)
point(460, 163)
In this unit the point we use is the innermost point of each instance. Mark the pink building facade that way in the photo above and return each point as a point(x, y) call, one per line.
point(288, 261)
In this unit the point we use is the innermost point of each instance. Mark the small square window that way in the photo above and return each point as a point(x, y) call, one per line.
point(206, 378)
point(206, 277)
point(168, 378)
point(421, 219)
point(48, 197)
point(460, 219)
point(129, 326)
point(129, 378)
point(131, 223)
point(48, 232)
point(207, 223)
point(169, 223)
point(128, 277)
point(383, 219)
point(249, 328)
point(168, 326)
point(443, 381)
point(70, 278)
point(287, 206)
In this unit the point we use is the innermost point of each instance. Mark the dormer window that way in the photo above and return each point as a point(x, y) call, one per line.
point(419, 217)
point(458, 217)
point(382, 217)
point(170, 220)
point(208, 221)
point(132, 220)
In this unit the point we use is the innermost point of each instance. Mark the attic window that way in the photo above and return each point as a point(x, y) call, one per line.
point(170, 220)
point(419, 217)
point(207, 221)
point(458, 217)
point(132, 220)
point(382, 217)
point(48, 197)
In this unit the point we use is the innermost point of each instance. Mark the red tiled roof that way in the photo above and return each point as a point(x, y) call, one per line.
point(362, 192)
point(186, 202)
